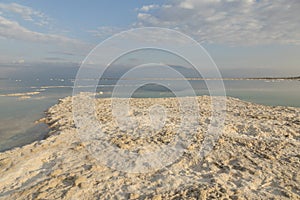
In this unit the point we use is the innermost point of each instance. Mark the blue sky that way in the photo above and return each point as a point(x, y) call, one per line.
point(247, 37)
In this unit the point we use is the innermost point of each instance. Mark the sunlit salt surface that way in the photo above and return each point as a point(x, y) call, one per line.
point(23, 102)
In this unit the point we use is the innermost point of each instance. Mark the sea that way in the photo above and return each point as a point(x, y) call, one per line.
point(24, 102)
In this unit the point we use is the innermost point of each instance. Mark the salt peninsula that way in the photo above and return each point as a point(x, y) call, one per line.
point(257, 156)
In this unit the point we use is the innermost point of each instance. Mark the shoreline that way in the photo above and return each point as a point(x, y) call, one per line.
point(259, 147)
point(42, 121)
point(53, 129)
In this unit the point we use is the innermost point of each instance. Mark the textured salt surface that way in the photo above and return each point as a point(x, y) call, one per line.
point(256, 157)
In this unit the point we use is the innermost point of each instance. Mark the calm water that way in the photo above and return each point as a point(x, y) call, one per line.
point(31, 99)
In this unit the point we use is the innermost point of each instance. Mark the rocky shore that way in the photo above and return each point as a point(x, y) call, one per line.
point(257, 156)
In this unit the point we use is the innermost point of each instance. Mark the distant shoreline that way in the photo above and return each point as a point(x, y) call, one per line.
point(188, 78)
point(274, 78)
point(195, 78)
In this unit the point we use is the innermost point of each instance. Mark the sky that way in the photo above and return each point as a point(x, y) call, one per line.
point(244, 38)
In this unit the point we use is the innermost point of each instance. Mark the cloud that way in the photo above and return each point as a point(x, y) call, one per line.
point(248, 22)
point(13, 27)
point(13, 30)
point(25, 12)
point(146, 8)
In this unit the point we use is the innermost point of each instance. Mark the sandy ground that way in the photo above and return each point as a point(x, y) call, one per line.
point(257, 156)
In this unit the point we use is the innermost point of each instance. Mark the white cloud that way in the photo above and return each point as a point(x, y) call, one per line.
point(235, 22)
point(147, 8)
point(25, 12)
point(13, 30)
point(186, 5)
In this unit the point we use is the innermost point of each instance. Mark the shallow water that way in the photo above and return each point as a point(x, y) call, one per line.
point(19, 113)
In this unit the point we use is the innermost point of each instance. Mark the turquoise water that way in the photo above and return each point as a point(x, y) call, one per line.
point(19, 113)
